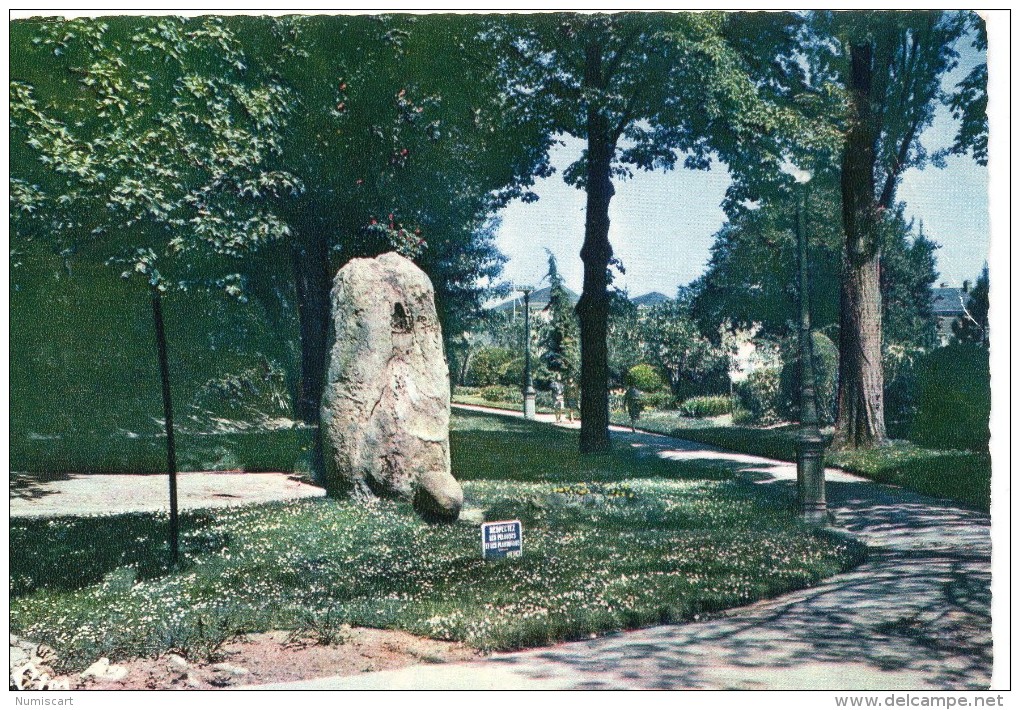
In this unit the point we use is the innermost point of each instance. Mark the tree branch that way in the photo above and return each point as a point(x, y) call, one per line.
point(614, 62)
point(889, 188)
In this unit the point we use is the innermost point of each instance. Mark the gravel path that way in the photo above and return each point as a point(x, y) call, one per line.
point(76, 494)
point(915, 615)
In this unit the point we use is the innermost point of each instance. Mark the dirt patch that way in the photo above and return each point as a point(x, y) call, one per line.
point(275, 657)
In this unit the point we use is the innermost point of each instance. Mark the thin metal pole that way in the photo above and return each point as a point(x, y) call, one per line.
point(810, 453)
point(527, 340)
point(529, 387)
point(168, 417)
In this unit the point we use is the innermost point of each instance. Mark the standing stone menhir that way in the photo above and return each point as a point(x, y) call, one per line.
point(386, 404)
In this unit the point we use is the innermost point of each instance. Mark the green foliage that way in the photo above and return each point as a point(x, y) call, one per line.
point(706, 90)
point(488, 366)
point(502, 393)
point(760, 395)
point(899, 365)
point(657, 542)
point(643, 89)
point(325, 628)
point(752, 272)
point(645, 378)
point(394, 102)
point(707, 406)
point(623, 338)
point(182, 148)
point(953, 398)
point(663, 399)
point(909, 50)
point(143, 138)
point(908, 273)
point(890, 67)
point(560, 338)
point(250, 448)
point(673, 343)
point(742, 416)
point(84, 381)
point(825, 358)
point(969, 101)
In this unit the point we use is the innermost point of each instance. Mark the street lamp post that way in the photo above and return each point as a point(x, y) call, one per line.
point(810, 445)
point(529, 387)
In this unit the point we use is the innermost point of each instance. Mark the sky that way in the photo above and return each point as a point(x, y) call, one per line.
point(662, 224)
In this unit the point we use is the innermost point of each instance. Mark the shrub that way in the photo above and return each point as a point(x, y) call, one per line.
point(953, 398)
point(760, 395)
point(900, 373)
point(502, 393)
point(512, 375)
point(707, 406)
point(489, 366)
point(742, 416)
point(544, 398)
point(826, 366)
point(645, 378)
point(658, 400)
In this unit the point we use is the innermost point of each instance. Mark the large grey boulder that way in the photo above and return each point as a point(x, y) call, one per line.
point(386, 403)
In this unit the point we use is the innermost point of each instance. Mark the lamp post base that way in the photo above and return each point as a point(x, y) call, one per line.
point(529, 403)
point(811, 476)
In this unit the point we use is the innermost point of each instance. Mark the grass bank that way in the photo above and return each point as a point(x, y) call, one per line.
point(961, 476)
point(255, 449)
point(611, 542)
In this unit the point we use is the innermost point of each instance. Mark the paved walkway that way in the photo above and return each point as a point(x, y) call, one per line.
point(915, 615)
point(94, 494)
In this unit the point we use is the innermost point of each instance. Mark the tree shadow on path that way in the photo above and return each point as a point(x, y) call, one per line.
point(914, 615)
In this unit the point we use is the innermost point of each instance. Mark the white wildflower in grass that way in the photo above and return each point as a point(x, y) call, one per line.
point(644, 543)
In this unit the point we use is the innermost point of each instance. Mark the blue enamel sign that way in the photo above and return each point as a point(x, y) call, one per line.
point(503, 538)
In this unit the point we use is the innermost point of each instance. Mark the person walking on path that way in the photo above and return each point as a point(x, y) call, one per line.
point(558, 396)
point(570, 394)
point(632, 401)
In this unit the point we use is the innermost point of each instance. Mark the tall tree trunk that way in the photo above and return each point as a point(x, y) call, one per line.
point(593, 306)
point(860, 416)
point(168, 423)
point(310, 257)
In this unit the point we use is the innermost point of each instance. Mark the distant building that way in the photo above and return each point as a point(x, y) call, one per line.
point(649, 300)
point(538, 301)
point(949, 306)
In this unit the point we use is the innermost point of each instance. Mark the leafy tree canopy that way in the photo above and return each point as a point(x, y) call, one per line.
point(752, 272)
point(145, 137)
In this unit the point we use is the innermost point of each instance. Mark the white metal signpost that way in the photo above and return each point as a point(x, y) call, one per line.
point(503, 538)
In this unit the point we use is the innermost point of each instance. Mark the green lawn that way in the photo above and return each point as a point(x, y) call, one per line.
point(962, 476)
point(610, 542)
